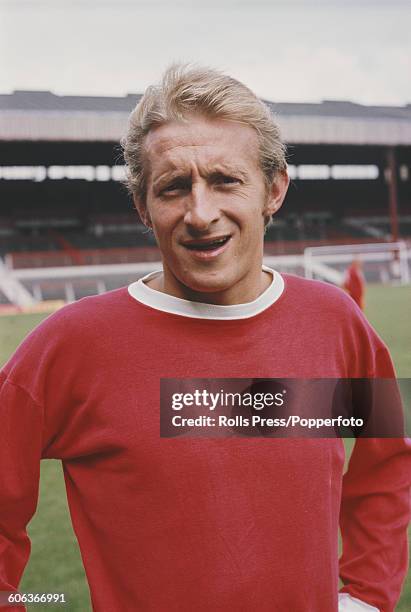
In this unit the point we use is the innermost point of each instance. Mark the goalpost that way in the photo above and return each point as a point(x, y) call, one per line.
point(383, 262)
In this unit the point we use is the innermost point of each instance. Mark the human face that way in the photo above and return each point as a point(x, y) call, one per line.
point(206, 200)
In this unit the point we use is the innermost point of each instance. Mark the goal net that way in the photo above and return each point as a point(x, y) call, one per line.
point(382, 262)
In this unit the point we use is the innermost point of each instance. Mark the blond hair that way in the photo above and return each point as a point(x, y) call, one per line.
point(186, 89)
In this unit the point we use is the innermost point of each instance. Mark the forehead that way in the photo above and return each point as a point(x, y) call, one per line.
point(202, 141)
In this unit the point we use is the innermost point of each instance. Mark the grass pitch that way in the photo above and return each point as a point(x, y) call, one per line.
point(55, 563)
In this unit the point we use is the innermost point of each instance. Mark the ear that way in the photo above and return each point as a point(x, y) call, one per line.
point(141, 208)
point(277, 193)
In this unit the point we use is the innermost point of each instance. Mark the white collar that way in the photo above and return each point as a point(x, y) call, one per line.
point(141, 292)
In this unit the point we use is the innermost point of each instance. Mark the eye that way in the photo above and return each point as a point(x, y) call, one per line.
point(226, 179)
point(175, 187)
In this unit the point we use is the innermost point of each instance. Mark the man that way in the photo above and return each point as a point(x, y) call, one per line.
point(354, 283)
point(191, 523)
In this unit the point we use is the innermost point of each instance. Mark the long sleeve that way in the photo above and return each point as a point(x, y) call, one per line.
point(20, 452)
point(375, 513)
point(375, 510)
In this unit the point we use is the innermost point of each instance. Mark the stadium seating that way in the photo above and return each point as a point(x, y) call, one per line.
point(120, 238)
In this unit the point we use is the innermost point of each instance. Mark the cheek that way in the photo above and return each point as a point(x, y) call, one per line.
point(252, 218)
point(163, 224)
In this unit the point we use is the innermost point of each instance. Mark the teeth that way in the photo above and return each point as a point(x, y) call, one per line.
point(217, 241)
point(208, 245)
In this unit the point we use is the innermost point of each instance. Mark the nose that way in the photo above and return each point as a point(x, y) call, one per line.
point(202, 210)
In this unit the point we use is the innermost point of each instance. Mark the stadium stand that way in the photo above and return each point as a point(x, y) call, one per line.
point(62, 203)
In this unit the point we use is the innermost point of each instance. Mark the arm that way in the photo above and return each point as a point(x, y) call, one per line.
point(375, 511)
point(20, 450)
point(43, 412)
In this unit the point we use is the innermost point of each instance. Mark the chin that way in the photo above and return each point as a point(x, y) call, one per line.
point(201, 284)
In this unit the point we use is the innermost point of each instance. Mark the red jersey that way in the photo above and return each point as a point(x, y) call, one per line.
point(202, 524)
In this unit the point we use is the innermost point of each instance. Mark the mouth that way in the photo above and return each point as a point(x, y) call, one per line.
point(207, 247)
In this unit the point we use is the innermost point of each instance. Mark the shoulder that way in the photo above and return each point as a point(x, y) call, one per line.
point(89, 309)
point(330, 313)
point(70, 331)
point(87, 314)
point(319, 295)
point(326, 302)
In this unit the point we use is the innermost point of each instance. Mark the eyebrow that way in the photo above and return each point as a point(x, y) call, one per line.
point(229, 170)
point(170, 176)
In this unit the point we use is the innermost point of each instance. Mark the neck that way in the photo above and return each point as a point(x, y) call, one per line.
point(241, 293)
